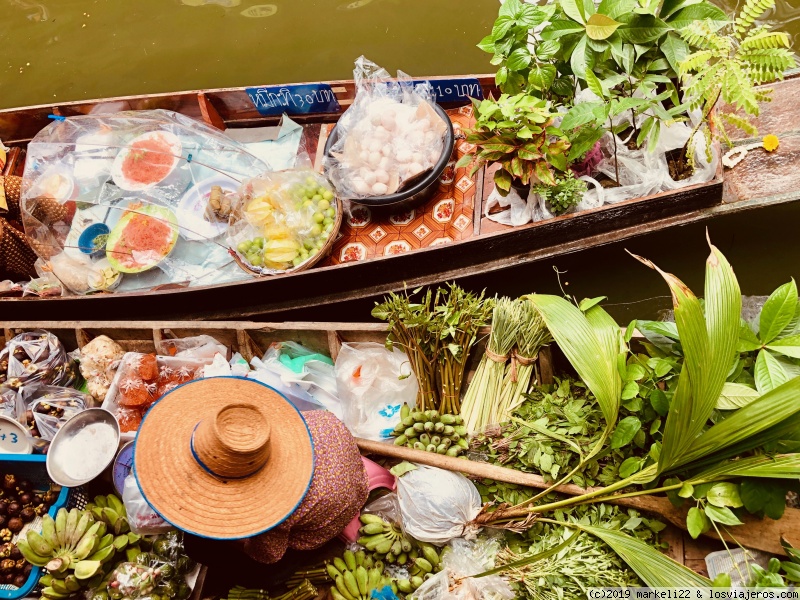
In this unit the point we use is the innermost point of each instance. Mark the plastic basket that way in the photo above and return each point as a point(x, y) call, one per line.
point(33, 468)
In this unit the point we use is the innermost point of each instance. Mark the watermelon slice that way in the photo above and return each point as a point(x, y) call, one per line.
point(142, 238)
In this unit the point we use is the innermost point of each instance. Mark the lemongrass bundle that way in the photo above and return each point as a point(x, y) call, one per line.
point(486, 386)
point(531, 336)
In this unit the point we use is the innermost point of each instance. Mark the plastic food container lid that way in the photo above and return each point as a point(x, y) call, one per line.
point(13, 437)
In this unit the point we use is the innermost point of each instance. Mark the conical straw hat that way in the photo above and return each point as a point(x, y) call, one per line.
point(224, 457)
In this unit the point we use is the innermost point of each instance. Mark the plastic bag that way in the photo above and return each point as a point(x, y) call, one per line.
point(219, 367)
point(36, 358)
point(305, 377)
point(8, 402)
point(373, 383)
point(98, 363)
point(44, 409)
point(390, 134)
point(282, 221)
point(199, 346)
point(454, 582)
point(142, 519)
point(437, 505)
point(387, 507)
point(130, 191)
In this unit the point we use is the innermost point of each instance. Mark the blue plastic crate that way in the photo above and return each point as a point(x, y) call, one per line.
point(32, 467)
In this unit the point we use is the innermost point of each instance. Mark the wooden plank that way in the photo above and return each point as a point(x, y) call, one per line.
point(209, 112)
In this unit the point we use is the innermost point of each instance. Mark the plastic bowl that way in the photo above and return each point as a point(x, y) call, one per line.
point(86, 239)
point(419, 192)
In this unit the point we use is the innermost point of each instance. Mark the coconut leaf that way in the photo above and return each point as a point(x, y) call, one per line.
point(654, 569)
point(780, 466)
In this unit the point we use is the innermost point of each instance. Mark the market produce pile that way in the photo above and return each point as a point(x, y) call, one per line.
point(614, 423)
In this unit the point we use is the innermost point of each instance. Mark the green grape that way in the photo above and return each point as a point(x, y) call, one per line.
point(318, 217)
point(327, 195)
point(330, 212)
point(327, 221)
point(243, 247)
point(316, 230)
point(323, 205)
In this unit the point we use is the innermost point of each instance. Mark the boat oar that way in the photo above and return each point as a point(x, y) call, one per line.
point(759, 534)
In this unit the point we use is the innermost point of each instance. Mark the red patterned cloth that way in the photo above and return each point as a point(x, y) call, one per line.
point(338, 491)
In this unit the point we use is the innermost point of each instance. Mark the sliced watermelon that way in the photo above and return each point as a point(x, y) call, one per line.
point(142, 238)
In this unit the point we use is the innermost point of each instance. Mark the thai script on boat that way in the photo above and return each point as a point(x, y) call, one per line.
point(302, 99)
point(459, 89)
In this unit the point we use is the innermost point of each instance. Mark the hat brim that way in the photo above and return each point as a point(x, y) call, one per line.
point(190, 498)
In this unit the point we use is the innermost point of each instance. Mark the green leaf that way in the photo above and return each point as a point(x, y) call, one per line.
point(501, 26)
point(722, 515)
point(578, 59)
point(686, 491)
point(641, 29)
point(625, 432)
point(557, 29)
point(788, 346)
point(614, 8)
point(601, 27)
point(545, 50)
point(769, 373)
point(510, 8)
point(580, 114)
point(762, 495)
point(748, 341)
point(675, 50)
point(659, 402)
point(402, 468)
point(725, 494)
point(670, 7)
point(777, 312)
point(541, 77)
point(574, 10)
point(652, 567)
point(502, 179)
point(630, 390)
point(562, 86)
point(697, 522)
point(518, 60)
point(594, 84)
point(559, 161)
point(698, 12)
point(487, 44)
point(630, 466)
point(531, 16)
point(778, 466)
point(532, 559)
point(736, 395)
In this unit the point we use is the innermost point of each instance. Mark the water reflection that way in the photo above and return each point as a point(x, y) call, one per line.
point(225, 3)
point(260, 10)
point(353, 5)
point(40, 10)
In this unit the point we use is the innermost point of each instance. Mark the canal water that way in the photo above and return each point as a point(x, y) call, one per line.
point(60, 50)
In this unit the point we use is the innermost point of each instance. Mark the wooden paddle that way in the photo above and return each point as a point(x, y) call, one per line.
point(759, 534)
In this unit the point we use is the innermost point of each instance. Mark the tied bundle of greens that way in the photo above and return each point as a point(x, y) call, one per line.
point(437, 334)
point(479, 407)
point(532, 336)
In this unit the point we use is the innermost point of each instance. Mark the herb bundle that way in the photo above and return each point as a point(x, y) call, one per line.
point(437, 333)
point(483, 394)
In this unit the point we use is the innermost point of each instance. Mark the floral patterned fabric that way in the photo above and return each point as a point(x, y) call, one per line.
point(338, 491)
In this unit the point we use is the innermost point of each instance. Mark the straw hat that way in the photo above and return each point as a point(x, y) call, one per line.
point(224, 458)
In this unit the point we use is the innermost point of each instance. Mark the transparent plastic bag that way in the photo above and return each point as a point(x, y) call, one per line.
point(282, 220)
point(200, 346)
point(373, 383)
point(387, 507)
point(129, 192)
point(390, 134)
point(455, 581)
point(99, 360)
point(142, 519)
point(36, 358)
point(44, 409)
point(437, 505)
point(131, 581)
point(8, 402)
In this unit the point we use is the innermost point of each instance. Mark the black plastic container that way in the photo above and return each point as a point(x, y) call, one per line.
point(422, 190)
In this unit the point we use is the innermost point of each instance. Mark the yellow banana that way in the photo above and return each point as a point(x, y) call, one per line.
point(61, 525)
point(361, 581)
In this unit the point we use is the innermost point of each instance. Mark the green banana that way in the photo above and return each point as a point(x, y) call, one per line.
point(38, 544)
point(49, 532)
point(131, 552)
point(371, 529)
point(84, 548)
point(368, 518)
point(333, 572)
point(404, 585)
point(405, 411)
point(361, 580)
point(340, 585)
point(424, 565)
point(81, 528)
point(72, 584)
point(32, 557)
point(104, 554)
point(350, 582)
point(383, 547)
point(61, 525)
point(350, 560)
point(336, 595)
point(52, 594)
point(105, 541)
point(72, 523)
point(100, 501)
point(430, 555)
point(115, 503)
point(339, 564)
point(360, 558)
point(397, 547)
point(60, 586)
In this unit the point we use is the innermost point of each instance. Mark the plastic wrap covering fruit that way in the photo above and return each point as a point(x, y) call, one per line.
point(133, 200)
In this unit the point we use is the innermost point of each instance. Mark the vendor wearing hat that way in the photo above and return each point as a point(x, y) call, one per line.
point(227, 458)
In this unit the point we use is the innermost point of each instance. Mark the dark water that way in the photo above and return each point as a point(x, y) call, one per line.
point(59, 50)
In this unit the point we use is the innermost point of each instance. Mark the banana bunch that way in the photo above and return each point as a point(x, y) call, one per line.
point(356, 575)
point(385, 540)
point(70, 542)
point(423, 567)
point(430, 431)
point(111, 511)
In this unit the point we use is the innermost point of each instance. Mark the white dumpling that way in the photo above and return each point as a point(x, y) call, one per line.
point(403, 155)
point(360, 186)
point(368, 176)
point(379, 188)
point(381, 176)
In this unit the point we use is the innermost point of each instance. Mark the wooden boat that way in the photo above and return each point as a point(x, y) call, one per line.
point(252, 339)
point(480, 246)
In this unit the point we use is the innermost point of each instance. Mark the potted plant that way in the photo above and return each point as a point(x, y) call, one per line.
point(517, 133)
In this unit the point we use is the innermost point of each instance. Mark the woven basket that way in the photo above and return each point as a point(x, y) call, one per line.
point(324, 251)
